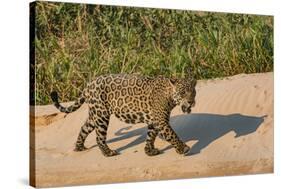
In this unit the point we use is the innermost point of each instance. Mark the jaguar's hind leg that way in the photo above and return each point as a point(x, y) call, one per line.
point(86, 129)
point(101, 131)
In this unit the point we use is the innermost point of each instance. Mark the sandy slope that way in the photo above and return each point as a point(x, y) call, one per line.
point(230, 131)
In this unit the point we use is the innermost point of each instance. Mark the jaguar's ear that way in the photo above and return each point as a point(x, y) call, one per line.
point(193, 82)
point(173, 80)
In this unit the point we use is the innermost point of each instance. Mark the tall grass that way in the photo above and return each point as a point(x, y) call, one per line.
point(75, 42)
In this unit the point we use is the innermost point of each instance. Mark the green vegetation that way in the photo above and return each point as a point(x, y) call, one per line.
point(75, 42)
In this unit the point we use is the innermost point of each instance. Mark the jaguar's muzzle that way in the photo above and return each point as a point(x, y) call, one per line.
point(186, 108)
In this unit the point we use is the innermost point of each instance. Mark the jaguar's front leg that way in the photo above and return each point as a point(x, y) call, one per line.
point(166, 132)
point(149, 148)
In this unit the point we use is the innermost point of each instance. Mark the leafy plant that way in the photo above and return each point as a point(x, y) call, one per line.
point(76, 42)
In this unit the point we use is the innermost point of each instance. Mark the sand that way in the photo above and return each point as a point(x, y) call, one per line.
point(230, 131)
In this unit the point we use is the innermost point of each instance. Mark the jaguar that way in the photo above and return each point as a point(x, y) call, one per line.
point(133, 99)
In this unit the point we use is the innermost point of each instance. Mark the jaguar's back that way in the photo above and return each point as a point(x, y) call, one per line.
point(128, 97)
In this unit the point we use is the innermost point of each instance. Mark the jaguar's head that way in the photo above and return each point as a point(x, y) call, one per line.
point(184, 92)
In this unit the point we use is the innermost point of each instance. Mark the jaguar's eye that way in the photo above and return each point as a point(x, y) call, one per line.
point(182, 92)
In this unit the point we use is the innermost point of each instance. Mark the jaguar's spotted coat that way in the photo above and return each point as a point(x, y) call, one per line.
point(133, 99)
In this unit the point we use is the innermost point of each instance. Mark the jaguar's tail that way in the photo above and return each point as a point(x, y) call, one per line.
point(72, 108)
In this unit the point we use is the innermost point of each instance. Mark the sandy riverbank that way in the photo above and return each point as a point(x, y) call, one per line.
point(230, 131)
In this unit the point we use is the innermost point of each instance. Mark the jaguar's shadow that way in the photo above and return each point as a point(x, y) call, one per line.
point(203, 127)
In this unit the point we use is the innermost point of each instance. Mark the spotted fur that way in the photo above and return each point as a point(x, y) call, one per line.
point(133, 99)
